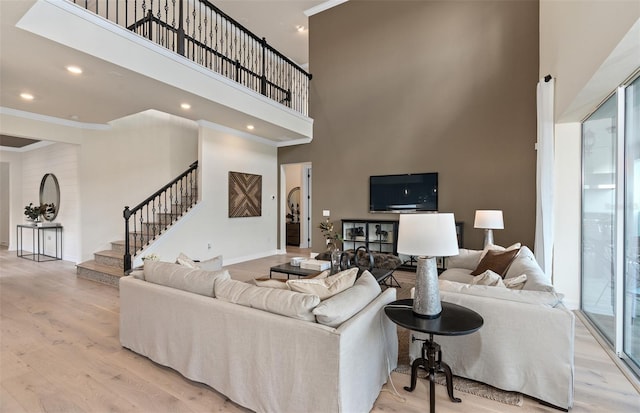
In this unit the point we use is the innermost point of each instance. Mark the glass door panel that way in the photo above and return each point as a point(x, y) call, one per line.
point(598, 217)
point(631, 329)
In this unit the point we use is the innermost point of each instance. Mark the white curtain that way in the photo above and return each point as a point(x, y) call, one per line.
point(543, 247)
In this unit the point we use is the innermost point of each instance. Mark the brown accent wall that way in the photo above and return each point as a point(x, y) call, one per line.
point(425, 86)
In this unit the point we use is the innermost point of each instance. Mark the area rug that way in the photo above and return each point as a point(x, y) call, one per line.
point(459, 383)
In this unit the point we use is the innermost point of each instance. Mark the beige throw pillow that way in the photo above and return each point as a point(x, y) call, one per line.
point(341, 307)
point(516, 283)
point(183, 278)
point(278, 283)
point(489, 278)
point(212, 264)
point(325, 287)
point(283, 302)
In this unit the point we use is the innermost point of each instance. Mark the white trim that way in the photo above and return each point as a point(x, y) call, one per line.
point(51, 119)
point(323, 6)
point(619, 249)
point(235, 132)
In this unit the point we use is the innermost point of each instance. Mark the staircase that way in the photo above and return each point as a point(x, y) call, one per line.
point(148, 225)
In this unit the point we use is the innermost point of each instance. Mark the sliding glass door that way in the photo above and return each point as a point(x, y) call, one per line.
point(631, 325)
point(610, 295)
point(599, 144)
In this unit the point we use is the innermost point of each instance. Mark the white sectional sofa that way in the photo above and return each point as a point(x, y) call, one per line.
point(527, 341)
point(202, 324)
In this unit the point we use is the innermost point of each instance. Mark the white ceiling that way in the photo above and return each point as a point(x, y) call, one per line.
point(105, 91)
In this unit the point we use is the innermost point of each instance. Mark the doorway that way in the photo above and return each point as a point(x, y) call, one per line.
point(295, 205)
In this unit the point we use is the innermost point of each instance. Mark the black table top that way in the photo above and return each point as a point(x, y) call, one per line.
point(290, 269)
point(455, 320)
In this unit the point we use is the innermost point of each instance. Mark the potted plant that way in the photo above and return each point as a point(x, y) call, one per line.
point(32, 212)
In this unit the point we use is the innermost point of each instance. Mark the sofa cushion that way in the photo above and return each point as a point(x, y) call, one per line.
point(496, 261)
point(325, 287)
point(525, 263)
point(468, 259)
point(284, 302)
point(489, 278)
point(342, 306)
point(547, 298)
point(212, 264)
point(180, 277)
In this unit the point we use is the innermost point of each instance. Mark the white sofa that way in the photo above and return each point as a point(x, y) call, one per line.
point(527, 341)
point(261, 360)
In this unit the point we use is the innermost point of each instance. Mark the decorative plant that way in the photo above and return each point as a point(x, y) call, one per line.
point(32, 212)
point(151, 257)
point(329, 233)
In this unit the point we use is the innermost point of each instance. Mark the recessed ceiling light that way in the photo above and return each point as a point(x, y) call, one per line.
point(74, 69)
point(26, 96)
point(300, 28)
point(185, 106)
point(250, 127)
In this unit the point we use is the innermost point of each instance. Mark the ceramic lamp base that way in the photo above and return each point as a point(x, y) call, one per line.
point(426, 301)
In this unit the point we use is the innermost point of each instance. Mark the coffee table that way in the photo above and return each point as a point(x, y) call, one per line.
point(292, 270)
point(455, 320)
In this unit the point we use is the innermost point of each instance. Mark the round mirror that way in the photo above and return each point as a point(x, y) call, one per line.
point(49, 197)
point(293, 203)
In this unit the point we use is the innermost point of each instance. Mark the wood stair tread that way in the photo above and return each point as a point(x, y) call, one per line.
point(110, 253)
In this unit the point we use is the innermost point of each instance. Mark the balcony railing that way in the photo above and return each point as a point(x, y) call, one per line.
point(199, 31)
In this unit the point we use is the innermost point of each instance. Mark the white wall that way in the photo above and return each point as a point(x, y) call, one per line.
point(580, 47)
point(60, 159)
point(123, 165)
point(112, 167)
point(236, 239)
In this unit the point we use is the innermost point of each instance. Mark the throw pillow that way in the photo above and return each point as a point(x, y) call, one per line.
point(325, 287)
point(489, 278)
point(341, 307)
point(182, 278)
point(185, 261)
point(212, 264)
point(496, 261)
point(284, 302)
point(468, 259)
point(516, 283)
point(271, 283)
point(492, 247)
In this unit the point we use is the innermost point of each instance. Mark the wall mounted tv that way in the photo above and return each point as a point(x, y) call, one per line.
point(403, 193)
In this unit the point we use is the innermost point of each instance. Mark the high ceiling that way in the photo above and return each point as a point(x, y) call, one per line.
point(105, 92)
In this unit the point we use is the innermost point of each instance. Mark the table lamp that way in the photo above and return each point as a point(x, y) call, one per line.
point(427, 236)
point(488, 220)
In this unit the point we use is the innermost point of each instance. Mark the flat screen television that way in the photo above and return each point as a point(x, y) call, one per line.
point(403, 193)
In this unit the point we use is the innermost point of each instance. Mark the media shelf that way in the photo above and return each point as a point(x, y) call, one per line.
point(375, 235)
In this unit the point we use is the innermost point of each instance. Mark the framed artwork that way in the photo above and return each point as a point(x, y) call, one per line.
point(245, 195)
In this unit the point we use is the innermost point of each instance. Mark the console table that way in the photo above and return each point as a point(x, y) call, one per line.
point(38, 240)
point(455, 320)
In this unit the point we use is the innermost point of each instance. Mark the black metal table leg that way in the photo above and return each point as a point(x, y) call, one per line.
point(431, 361)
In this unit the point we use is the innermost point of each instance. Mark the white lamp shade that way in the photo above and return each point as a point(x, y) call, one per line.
point(488, 219)
point(427, 235)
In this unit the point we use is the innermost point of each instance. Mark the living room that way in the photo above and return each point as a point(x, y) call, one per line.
point(443, 108)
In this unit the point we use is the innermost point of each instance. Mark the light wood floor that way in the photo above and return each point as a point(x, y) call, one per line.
point(59, 352)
